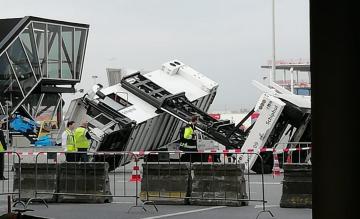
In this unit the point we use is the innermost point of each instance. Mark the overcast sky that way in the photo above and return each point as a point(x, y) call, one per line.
point(226, 40)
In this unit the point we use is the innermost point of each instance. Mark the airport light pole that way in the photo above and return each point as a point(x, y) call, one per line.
point(273, 69)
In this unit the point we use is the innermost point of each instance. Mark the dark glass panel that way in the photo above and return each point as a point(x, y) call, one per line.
point(80, 40)
point(5, 73)
point(31, 103)
point(9, 87)
point(21, 66)
point(54, 51)
point(67, 52)
point(40, 39)
point(28, 40)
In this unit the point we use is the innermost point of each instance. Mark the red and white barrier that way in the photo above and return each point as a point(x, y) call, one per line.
point(142, 153)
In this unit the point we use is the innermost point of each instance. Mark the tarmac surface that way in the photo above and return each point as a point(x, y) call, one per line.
point(120, 206)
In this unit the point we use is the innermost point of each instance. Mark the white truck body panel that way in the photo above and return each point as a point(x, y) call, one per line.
point(152, 129)
point(184, 79)
point(270, 109)
point(279, 92)
point(139, 111)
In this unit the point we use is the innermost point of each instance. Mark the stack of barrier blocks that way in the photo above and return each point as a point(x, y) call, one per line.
point(297, 186)
point(70, 177)
point(195, 184)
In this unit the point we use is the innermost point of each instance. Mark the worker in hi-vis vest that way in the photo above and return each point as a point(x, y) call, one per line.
point(82, 141)
point(188, 141)
point(68, 141)
point(188, 137)
point(3, 147)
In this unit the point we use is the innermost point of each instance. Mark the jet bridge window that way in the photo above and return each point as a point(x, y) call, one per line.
point(303, 91)
point(119, 99)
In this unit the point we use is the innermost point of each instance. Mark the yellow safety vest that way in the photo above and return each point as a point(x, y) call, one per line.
point(188, 132)
point(70, 143)
point(80, 139)
point(1, 147)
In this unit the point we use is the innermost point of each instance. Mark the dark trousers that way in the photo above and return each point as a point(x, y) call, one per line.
point(2, 164)
point(70, 157)
point(82, 156)
point(197, 157)
point(189, 157)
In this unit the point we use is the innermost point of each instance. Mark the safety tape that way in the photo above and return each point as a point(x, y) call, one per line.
point(141, 153)
point(231, 151)
point(251, 150)
point(37, 153)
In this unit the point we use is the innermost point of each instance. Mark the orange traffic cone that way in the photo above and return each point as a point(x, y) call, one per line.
point(210, 159)
point(289, 158)
point(276, 167)
point(135, 176)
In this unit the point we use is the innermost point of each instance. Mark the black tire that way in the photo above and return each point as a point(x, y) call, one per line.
point(113, 161)
point(268, 163)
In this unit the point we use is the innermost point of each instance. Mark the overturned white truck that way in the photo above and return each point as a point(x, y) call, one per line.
point(121, 119)
point(146, 111)
point(284, 117)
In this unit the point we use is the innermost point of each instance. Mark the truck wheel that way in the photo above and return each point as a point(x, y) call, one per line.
point(268, 163)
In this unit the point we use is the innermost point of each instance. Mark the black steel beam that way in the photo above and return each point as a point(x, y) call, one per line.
point(53, 89)
point(237, 127)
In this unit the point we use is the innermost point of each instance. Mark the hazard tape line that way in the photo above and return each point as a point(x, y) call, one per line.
point(232, 151)
point(141, 153)
point(235, 151)
point(37, 153)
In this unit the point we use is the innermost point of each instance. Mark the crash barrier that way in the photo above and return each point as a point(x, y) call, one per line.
point(41, 175)
point(200, 183)
point(218, 184)
point(297, 186)
point(83, 178)
point(7, 161)
point(297, 182)
point(165, 183)
point(120, 188)
point(79, 182)
point(211, 181)
point(51, 182)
